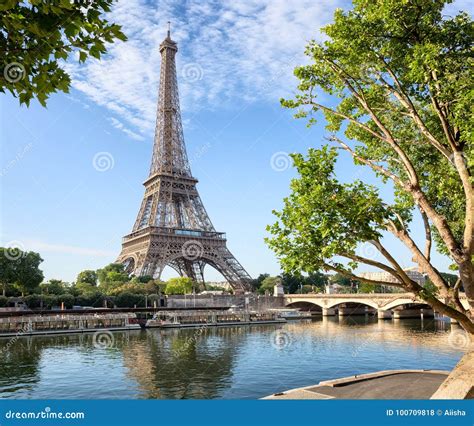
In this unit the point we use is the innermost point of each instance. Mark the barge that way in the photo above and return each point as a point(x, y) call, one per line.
point(210, 318)
point(64, 322)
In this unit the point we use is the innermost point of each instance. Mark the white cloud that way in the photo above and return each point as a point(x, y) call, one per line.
point(59, 248)
point(245, 51)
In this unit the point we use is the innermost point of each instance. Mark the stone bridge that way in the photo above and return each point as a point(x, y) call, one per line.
point(386, 305)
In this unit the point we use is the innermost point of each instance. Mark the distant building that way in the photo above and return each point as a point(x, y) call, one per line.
point(222, 284)
point(335, 288)
point(386, 277)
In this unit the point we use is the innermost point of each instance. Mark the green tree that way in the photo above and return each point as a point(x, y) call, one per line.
point(317, 279)
point(88, 276)
point(179, 285)
point(292, 283)
point(268, 283)
point(257, 282)
point(399, 78)
point(340, 279)
point(28, 276)
point(7, 268)
point(129, 300)
point(36, 35)
point(114, 272)
point(53, 287)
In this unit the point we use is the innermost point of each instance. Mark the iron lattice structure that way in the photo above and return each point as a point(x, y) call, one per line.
point(172, 226)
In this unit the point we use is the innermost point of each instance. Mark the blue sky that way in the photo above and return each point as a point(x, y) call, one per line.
point(71, 174)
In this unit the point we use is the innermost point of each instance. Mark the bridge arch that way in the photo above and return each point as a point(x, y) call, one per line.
point(400, 302)
point(305, 306)
point(364, 302)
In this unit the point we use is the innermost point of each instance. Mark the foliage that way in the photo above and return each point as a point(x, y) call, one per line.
point(112, 273)
point(24, 269)
point(87, 277)
point(67, 299)
point(33, 301)
point(257, 282)
point(36, 35)
point(398, 79)
point(53, 287)
point(180, 285)
point(94, 299)
point(340, 279)
point(7, 269)
point(129, 300)
point(268, 284)
point(3, 301)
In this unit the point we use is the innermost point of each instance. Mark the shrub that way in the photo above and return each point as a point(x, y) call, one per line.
point(67, 299)
point(129, 300)
point(95, 299)
point(33, 301)
point(3, 301)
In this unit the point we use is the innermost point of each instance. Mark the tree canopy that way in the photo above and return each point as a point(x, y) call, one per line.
point(397, 85)
point(36, 35)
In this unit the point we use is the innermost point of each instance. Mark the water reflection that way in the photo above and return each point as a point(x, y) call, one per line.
point(234, 362)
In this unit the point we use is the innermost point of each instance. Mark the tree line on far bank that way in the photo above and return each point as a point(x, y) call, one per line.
point(21, 279)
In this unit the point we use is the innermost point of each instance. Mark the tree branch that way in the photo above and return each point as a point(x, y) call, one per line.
point(368, 162)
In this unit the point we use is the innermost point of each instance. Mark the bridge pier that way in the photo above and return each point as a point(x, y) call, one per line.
point(345, 310)
point(329, 312)
point(384, 314)
point(407, 313)
point(427, 313)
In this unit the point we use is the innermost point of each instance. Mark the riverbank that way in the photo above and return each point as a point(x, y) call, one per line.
point(389, 384)
point(394, 384)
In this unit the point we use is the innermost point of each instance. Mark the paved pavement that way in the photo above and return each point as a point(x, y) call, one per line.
point(396, 385)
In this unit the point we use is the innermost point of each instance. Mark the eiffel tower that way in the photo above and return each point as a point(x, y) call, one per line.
point(172, 226)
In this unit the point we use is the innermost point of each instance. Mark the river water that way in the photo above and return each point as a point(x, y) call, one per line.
point(231, 363)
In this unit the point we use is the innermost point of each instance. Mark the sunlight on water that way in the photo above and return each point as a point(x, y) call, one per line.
point(236, 362)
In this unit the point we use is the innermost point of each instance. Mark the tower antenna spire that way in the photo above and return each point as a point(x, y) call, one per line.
point(169, 29)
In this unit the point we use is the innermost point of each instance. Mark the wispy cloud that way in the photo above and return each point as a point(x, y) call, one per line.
point(229, 53)
point(60, 248)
